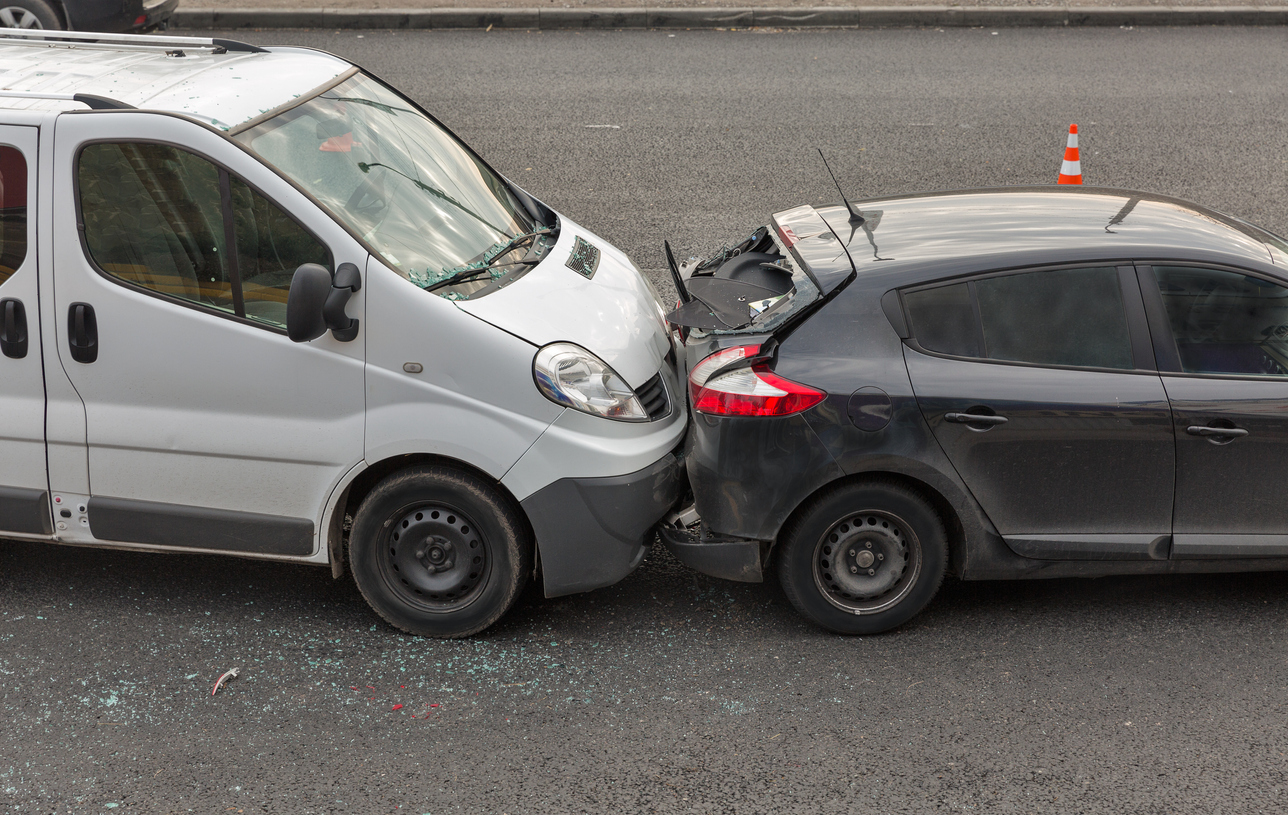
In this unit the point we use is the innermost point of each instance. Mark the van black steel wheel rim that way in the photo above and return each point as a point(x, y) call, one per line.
point(867, 562)
point(434, 557)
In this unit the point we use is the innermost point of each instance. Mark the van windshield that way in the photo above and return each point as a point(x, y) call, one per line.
point(427, 204)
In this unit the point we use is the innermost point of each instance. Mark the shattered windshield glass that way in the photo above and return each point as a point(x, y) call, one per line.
point(432, 210)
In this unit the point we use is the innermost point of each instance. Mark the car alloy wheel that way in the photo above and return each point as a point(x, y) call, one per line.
point(32, 14)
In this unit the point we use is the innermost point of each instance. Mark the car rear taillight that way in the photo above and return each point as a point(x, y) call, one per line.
point(752, 390)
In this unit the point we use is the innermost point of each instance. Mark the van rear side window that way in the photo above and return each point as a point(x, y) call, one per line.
point(13, 211)
point(160, 218)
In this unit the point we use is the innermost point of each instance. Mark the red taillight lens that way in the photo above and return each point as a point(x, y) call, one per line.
point(750, 391)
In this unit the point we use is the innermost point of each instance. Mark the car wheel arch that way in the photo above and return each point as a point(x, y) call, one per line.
point(953, 526)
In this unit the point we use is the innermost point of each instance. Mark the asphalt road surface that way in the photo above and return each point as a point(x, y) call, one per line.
point(673, 692)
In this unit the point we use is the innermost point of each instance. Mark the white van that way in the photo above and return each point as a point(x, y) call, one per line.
point(253, 301)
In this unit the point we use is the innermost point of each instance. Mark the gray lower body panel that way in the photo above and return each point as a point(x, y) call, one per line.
point(24, 511)
point(730, 559)
point(592, 532)
point(1198, 547)
point(1090, 547)
point(130, 521)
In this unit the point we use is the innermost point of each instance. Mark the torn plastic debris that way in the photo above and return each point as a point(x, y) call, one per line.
point(224, 679)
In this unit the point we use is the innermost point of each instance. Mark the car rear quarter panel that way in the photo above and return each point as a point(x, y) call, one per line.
point(850, 344)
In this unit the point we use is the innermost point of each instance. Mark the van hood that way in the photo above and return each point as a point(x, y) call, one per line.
point(613, 312)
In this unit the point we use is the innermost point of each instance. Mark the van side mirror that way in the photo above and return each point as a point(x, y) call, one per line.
point(316, 303)
point(310, 286)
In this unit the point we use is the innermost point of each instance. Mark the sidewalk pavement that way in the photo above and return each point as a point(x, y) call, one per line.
point(706, 14)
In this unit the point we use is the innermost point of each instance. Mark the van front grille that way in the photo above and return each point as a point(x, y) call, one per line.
point(652, 395)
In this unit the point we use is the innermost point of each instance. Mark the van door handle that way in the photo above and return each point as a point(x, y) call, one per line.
point(974, 418)
point(13, 328)
point(82, 332)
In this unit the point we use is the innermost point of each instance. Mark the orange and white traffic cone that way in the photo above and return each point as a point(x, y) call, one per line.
point(1071, 170)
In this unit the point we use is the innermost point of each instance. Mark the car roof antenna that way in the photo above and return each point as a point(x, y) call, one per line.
point(856, 216)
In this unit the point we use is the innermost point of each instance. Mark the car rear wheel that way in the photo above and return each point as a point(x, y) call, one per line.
point(864, 558)
point(28, 14)
point(439, 552)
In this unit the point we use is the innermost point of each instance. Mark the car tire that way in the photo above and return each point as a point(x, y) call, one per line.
point(863, 558)
point(29, 14)
point(439, 552)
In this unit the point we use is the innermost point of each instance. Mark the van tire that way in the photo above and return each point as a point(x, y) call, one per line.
point(439, 552)
point(33, 14)
point(864, 558)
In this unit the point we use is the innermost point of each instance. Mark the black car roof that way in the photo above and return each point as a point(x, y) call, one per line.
point(942, 233)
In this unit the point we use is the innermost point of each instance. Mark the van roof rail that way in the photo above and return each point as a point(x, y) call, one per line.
point(92, 101)
point(37, 36)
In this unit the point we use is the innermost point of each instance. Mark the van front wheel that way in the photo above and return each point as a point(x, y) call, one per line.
point(439, 552)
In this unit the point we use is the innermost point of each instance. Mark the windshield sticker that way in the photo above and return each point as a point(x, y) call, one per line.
point(584, 259)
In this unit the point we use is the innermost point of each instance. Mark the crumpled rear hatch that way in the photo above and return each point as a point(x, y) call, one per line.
point(767, 281)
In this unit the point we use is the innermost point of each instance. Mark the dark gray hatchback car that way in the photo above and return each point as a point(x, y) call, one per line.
point(1013, 383)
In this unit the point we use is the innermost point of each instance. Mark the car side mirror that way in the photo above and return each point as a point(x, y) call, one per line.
point(316, 302)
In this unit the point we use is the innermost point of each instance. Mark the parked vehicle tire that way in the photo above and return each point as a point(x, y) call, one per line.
point(864, 558)
point(439, 552)
point(29, 14)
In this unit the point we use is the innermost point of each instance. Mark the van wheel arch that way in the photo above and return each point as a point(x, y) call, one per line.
point(368, 479)
point(952, 522)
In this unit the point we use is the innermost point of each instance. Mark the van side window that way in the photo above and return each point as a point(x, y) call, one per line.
point(153, 218)
point(157, 217)
point(270, 247)
point(13, 211)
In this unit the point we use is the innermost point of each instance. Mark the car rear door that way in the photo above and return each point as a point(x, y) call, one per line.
point(206, 427)
point(1223, 356)
point(1039, 385)
point(24, 485)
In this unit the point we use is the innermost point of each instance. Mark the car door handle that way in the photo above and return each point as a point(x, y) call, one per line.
point(974, 418)
point(13, 328)
point(82, 332)
point(1216, 432)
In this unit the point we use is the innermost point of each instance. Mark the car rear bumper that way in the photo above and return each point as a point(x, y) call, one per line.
point(592, 532)
point(750, 473)
point(728, 558)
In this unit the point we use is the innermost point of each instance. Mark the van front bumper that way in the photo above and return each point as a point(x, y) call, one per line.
point(592, 532)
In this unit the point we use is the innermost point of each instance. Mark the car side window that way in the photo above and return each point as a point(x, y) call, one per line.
point(943, 318)
point(13, 211)
point(157, 217)
point(1064, 317)
point(1226, 322)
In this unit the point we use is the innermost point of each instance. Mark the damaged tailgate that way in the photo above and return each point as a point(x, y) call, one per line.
point(766, 283)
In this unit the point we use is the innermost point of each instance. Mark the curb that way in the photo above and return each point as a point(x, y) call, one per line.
point(564, 19)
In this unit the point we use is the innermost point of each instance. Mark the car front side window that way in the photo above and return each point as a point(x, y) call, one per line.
point(160, 218)
point(1055, 317)
point(1226, 322)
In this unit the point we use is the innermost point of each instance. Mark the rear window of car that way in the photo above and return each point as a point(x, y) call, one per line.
point(1057, 317)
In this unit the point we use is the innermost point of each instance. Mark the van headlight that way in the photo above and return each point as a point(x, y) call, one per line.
point(571, 376)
